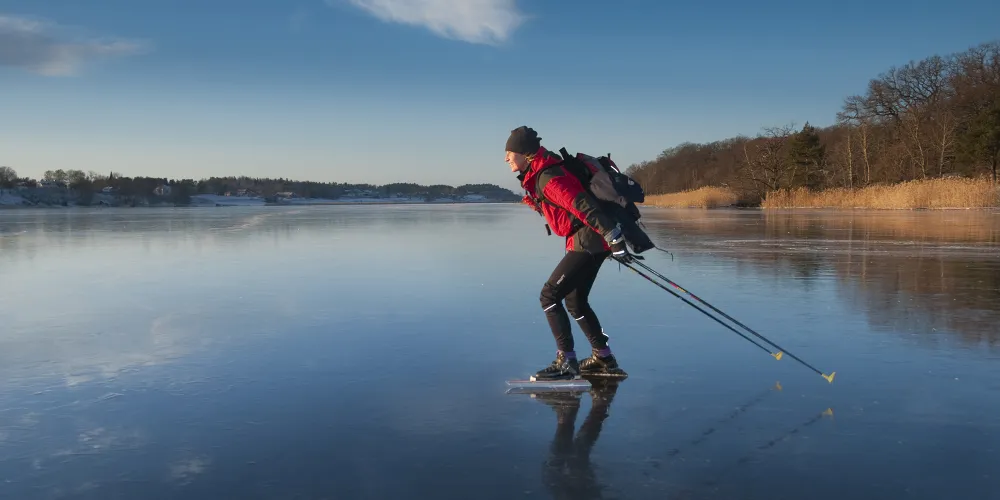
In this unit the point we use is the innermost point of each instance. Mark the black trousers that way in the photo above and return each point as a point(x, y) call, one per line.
point(571, 281)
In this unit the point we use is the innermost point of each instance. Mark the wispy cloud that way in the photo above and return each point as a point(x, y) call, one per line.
point(475, 21)
point(48, 49)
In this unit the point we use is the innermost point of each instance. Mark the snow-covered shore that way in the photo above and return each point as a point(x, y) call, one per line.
point(214, 200)
point(9, 199)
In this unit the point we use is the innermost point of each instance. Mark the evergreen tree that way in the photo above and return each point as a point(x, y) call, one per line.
point(979, 140)
point(807, 154)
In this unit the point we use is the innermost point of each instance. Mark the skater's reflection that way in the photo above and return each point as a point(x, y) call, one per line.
point(567, 472)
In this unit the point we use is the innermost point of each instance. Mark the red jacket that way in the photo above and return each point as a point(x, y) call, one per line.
point(568, 208)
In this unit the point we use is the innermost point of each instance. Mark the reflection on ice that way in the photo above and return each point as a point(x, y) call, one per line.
point(920, 272)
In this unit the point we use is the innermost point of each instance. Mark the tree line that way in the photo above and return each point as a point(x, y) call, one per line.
point(936, 117)
point(87, 184)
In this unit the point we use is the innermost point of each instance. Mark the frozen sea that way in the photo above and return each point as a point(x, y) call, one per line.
point(356, 352)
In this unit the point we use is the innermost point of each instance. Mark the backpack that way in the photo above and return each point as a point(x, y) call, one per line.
point(615, 192)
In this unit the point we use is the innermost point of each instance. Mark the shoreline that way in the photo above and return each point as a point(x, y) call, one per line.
point(845, 209)
point(12, 201)
point(241, 205)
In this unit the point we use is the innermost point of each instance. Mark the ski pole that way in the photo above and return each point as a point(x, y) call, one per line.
point(829, 378)
point(776, 355)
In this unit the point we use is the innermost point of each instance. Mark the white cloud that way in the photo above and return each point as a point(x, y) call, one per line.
point(474, 21)
point(51, 50)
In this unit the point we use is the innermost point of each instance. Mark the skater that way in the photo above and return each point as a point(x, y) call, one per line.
point(591, 237)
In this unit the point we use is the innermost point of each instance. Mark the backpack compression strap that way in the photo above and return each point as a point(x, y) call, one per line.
point(576, 223)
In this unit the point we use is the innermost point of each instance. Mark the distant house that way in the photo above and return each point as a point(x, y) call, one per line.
point(108, 190)
point(54, 184)
point(162, 190)
point(286, 194)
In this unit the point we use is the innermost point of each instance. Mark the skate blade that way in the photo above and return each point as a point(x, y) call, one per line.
point(535, 379)
point(617, 375)
point(529, 386)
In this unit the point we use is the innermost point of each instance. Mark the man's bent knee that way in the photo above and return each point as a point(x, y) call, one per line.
point(548, 298)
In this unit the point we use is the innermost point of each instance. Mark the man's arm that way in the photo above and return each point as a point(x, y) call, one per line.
point(566, 191)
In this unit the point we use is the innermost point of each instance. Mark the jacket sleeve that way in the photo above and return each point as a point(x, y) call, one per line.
point(566, 192)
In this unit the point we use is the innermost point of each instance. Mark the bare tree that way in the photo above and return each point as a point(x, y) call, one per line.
point(765, 164)
point(914, 99)
point(841, 160)
point(860, 122)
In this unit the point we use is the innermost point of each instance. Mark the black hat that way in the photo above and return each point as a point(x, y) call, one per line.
point(523, 140)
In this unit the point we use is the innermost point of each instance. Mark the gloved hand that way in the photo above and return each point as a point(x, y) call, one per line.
point(616, 240)
point(620, 252)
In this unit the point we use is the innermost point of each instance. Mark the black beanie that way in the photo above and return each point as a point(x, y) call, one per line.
point(523, 140)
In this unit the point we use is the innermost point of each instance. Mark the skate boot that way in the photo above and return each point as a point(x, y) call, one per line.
point(560, 369)
point(604, 367)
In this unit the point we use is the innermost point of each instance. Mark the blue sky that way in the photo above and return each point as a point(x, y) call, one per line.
point(427, 91)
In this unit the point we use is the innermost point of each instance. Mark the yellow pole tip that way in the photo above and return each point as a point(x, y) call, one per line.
point(778, 355)
point(829, 378)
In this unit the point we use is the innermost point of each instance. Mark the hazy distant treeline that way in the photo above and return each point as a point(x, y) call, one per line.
point(931, 118)
point(86, 184)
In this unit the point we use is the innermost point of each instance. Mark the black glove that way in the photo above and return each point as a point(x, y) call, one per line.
point(619, 251)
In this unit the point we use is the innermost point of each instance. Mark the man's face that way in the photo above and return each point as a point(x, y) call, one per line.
point(517, 162)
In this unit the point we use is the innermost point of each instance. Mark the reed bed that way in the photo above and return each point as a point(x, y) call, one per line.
point(704, 197)
point(953, 192)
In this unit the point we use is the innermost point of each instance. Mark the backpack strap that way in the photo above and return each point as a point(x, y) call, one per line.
point(576, 224)
point(565, 154)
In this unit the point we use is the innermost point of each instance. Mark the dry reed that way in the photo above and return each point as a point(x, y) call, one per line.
point(954, 192)
point(704, 197)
